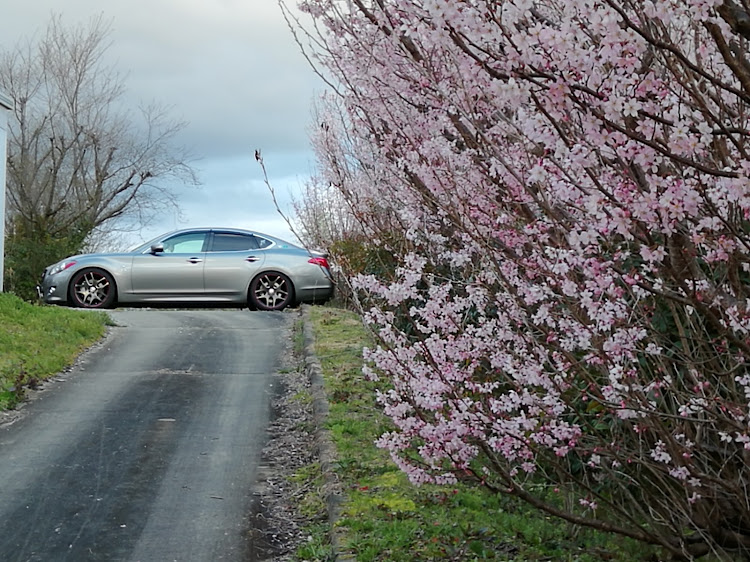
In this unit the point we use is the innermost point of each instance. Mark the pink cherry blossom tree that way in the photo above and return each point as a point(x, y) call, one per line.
point(567, 321)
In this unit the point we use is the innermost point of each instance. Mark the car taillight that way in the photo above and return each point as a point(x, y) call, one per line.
point(322, 262)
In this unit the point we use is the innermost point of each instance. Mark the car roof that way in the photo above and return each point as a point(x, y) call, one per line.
point(277, 241)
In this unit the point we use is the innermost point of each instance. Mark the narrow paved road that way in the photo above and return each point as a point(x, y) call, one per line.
point(148, 450)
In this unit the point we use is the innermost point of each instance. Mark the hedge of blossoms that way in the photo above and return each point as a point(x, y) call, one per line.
point(569, 180)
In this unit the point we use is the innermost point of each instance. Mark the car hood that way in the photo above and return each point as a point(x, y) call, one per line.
point(92, 257)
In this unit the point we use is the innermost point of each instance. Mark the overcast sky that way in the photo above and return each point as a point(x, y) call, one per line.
point(232, 71)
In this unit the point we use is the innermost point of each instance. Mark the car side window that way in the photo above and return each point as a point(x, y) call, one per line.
point(230, 242)
point(188, 243)
point(263, 242)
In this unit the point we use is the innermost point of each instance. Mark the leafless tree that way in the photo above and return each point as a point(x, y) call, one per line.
point(78, 159)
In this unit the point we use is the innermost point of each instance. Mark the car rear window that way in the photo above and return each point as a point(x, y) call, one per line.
point(230, 242)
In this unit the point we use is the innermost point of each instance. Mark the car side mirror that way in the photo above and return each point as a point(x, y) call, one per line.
point(157, 248)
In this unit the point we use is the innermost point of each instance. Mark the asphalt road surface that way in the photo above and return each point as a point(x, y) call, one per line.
point(149, 448)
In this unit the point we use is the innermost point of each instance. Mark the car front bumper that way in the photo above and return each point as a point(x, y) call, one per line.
point(48, 290)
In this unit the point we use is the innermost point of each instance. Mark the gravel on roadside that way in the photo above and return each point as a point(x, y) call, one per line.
point(277, 523)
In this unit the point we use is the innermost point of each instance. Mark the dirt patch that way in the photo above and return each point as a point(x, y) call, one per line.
point(276, 519)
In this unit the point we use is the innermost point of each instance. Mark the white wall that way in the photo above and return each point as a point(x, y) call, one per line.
point(5, 106)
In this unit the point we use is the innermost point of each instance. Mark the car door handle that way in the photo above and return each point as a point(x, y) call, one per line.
point(251, 259)
point(195, 260)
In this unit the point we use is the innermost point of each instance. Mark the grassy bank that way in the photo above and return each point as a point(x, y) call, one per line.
point(386, 518)
point(37, 342)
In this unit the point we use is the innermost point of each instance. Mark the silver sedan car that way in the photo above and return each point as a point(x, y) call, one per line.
point(192, 266)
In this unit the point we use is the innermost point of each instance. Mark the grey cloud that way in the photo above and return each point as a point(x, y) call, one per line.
point(231, 70)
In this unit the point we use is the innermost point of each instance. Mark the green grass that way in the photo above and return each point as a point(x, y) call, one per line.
point(384, 517)
point(37, 342)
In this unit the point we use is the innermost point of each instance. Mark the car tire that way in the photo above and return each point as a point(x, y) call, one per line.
point(270, 291)
point(92, 288)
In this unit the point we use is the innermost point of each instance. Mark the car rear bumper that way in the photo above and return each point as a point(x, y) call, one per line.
point(315, 294)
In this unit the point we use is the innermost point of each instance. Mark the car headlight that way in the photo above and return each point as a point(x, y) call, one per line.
point(61, 266)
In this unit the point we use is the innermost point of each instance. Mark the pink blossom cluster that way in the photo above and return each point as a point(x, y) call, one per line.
point(571, 183)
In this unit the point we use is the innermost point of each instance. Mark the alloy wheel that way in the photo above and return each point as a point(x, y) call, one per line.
point(92, 289)
point(271, 291)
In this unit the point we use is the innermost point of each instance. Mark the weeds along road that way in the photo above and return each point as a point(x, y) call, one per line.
point(148, 449)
